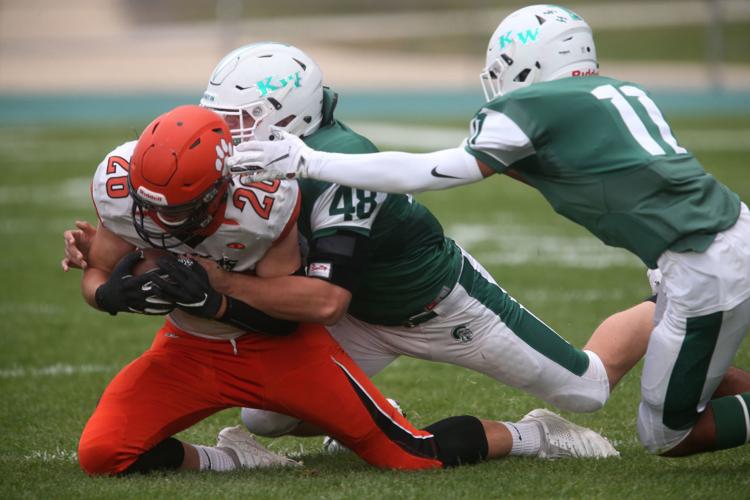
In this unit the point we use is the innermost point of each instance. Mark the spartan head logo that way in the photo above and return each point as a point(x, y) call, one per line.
point(463, 334)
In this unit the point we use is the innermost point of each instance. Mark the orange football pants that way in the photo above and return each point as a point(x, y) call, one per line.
point(182, 379)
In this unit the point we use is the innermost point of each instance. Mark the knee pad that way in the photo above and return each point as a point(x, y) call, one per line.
point(268, 423)
point(576, 403)
point(587, 393)
point(460, 440)
point(167, 455)
point(95, 459)
point(101, 456)
point(656, 437)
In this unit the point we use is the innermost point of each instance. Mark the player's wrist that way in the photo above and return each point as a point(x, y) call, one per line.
point(224, 282)
point(222, 307)
point(311, 164)
point(101, 300)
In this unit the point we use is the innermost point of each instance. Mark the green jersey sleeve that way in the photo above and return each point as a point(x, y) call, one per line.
point(331, 207)
point(342, 207)
point(497, 141)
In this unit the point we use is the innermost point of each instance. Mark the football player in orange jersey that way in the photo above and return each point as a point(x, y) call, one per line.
point(171, 189)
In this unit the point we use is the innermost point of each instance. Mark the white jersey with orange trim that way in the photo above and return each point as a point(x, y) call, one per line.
point(256, 215)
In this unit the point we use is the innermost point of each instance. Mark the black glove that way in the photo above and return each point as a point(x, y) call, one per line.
point(186, 283)
point(127, 293)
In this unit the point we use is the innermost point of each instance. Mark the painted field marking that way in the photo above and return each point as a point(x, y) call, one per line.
point(513, 243)
point(56, 370)
point(72, 193)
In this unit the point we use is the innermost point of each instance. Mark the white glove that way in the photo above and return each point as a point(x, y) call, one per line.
point(285, 157)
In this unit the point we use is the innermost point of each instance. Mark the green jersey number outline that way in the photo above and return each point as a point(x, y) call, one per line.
point(635, 125)
point(343, 203)
point(476, 127)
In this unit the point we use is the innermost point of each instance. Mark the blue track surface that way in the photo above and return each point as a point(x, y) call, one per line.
point(100, 108)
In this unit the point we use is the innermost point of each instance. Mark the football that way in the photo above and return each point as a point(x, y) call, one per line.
point(149, 261)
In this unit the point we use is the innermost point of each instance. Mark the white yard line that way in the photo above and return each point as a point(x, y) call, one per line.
point(56, 370)
point(56, 455)
point(512, 243)
point(73, 193)
point(31, 308)
point(539, 295)
point(20, 225)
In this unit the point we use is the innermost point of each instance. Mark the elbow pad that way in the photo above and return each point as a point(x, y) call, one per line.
point(339, 258)
point(248, 318)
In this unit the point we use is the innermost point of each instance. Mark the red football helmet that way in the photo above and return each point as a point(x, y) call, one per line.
point(177, 177)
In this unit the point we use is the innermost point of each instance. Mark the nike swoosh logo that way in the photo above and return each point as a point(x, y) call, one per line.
point(435, 173)
point(278, 159)
point(515, 429)
point(199, 303)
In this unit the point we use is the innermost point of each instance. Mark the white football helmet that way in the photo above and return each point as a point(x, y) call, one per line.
point(537, 44)
point(265, 84)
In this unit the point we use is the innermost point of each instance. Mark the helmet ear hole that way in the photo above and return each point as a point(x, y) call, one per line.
point(521, 77)
point(285, 121)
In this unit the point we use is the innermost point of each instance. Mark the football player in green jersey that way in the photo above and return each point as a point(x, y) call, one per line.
point(599, 150)
point(380, 271)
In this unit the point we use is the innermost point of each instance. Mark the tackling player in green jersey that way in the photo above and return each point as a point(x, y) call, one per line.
point(600, 151)
point(380, 272)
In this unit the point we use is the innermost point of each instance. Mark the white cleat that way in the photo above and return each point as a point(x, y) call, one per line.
point(251, 454)
point(332, 446)
point(564, 439)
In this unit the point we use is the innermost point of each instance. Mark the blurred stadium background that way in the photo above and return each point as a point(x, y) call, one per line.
point(79, 77)
point(113, 60)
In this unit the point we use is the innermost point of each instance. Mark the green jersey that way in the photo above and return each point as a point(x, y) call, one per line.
point(600, 151)
point(410, 264)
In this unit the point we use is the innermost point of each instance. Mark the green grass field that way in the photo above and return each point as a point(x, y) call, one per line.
point(57, 354)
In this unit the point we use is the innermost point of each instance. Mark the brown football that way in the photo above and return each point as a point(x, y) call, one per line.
point(148, 263)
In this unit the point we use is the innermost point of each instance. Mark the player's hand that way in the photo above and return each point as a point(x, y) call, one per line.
point(285, 157)
point(123, 292)
point(77, 245)
point(216, 275)
point(185, 282)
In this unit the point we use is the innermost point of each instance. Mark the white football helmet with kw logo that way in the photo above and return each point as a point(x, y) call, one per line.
point(261, 85)
point(537, 44)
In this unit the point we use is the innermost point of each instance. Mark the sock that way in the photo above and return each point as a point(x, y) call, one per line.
point(527, 438)
point(218, 459)
point(732, 420)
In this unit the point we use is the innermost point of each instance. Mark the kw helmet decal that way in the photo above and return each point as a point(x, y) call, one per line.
point(267, 85)
point(529, 35)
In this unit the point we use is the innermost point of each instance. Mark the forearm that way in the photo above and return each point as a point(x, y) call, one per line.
point(295, 298)
point(92, 279)
point(396, 172)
